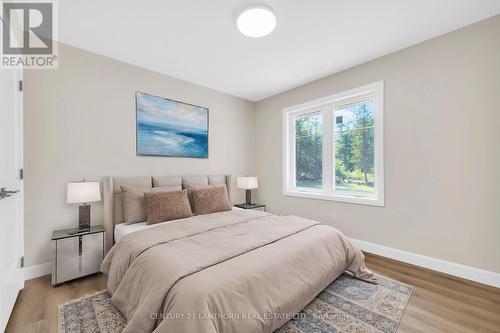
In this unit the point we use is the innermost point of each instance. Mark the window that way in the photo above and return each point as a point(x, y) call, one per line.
point(309, 150)
point(333, 147)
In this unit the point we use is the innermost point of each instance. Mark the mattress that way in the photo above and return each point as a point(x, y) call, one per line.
point(123, 229)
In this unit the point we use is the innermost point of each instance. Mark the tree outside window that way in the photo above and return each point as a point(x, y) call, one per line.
point(355, 148)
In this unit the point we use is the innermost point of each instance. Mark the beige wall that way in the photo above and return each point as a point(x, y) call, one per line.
point(80, 122)
point(442, 144)
point(442, 149)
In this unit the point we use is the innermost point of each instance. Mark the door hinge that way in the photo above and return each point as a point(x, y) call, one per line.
point(21, 262)
point(21, 174)
point(20, 85)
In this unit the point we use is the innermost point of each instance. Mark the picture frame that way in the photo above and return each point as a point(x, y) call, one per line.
point(170, 128)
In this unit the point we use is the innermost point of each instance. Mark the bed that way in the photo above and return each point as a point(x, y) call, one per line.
point(230, 271)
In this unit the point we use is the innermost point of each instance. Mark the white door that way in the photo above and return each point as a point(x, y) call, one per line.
point(11, 205)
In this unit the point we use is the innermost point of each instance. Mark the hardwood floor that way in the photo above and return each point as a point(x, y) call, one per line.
point(439, 303)
point(36, 306)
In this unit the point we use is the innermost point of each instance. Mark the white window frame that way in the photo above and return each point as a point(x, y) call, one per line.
point(325, 105)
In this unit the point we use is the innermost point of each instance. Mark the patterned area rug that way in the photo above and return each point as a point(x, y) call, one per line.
point(353, 306)
point(347, 305)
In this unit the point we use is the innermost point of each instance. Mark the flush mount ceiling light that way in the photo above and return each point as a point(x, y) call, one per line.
point(256, 21)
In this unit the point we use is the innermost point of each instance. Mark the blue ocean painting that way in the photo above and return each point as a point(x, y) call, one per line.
point(170, 128)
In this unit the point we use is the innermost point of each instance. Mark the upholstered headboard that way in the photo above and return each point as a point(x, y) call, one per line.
point(112, 194)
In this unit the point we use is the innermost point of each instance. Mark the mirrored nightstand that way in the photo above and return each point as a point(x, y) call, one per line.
point(77, 254)
point(251, 206)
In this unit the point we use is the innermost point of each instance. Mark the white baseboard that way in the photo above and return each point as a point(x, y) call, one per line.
point(32, 272)
point(439, 265)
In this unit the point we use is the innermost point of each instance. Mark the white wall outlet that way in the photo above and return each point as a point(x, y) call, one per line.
point(333, 217)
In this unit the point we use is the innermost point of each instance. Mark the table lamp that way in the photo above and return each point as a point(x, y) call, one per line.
point(248, 184)
point(83, 193)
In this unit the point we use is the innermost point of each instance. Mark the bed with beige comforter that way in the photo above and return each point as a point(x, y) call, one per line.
point(234, 271)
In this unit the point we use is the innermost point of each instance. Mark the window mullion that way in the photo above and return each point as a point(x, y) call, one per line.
point(334, 146)
point(292, 143)
point(327, 150)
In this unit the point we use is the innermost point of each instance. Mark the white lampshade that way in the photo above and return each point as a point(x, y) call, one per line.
point(247, 183)
point(83, 192)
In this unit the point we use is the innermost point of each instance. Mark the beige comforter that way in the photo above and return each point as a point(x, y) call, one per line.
point(236, 271)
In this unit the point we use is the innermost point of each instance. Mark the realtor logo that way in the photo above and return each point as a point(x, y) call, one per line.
point(28, 34)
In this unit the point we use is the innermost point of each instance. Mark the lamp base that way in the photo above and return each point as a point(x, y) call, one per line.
point(84, 217)
point(248, 199)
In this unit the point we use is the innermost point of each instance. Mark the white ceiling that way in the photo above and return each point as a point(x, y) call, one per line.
point(197, 40)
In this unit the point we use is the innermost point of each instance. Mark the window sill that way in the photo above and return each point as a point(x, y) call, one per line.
point(336, 197)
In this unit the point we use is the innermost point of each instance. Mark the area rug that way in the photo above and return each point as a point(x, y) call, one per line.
point(347, 305)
